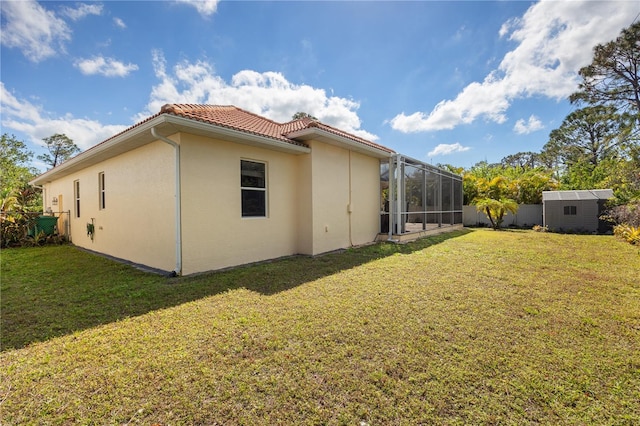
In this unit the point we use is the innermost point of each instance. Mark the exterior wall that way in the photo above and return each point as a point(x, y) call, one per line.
point(330, 192)
point(138, 222)
point(305, 204)
point(345, 198)
point(365, 199)
point(317, 202)
point(528, 215)
point(585, 219)
point(307, 196)
point(214, 233)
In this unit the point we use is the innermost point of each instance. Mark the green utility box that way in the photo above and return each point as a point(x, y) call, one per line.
point(46, 224)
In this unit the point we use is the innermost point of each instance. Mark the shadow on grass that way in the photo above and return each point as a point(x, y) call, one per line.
point(53, 291)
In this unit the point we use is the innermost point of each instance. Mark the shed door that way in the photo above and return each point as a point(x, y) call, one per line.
point(604, 226)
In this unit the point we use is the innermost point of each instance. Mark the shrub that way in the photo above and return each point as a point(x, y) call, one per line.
point(627, 221)
point(540, 228)
point(14, 228)
point(629, 233)
point(628, 214)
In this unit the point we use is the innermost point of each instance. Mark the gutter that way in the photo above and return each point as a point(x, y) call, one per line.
point(178, 270)
point(390, 195)
point(399, 194)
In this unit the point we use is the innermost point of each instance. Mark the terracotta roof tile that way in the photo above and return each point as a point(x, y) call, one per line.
point(232, 117)
point(245, 121)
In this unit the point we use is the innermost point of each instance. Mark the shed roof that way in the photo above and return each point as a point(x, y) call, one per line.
point(587, 194)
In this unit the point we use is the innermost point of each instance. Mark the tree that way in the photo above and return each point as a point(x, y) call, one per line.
point(611, 81)
point(589, 134)
point(301, 115)
point(522, 184)
point(17, 197)
point(613, 77)
point(496, 209)
point(15, 171)
point(493, 200)
point(529, 186)
point(523, 160)
point(60, 147)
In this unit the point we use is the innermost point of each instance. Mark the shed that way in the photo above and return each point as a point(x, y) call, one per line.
point(576, 211)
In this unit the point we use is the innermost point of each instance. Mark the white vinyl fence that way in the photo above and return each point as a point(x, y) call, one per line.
point(527, 216)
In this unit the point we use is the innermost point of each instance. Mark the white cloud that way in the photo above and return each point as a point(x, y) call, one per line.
point(204, 7)
point(119, 23)
point(82, 10)
point(37, 32)
point(555, 40)
point(107, 67)
point(523, 127)
point(268, 94)
point(446, 149)
point(22, 116)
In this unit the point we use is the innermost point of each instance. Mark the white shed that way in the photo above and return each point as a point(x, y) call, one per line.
point(575, 211)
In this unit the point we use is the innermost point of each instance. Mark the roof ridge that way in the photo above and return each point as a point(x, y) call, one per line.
point(212, 107)
point(178, 108)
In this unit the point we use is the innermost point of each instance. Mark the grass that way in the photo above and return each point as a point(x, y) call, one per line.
point(477, 327)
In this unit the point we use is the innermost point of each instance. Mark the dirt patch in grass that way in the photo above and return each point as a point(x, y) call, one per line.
point(488, 327)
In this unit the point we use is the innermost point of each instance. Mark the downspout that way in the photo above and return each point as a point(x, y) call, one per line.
point(178, 270)
point(391, 195)
point(399, 193)
point(349, 206)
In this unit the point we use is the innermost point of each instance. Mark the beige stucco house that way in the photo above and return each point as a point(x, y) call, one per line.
point(200, 187)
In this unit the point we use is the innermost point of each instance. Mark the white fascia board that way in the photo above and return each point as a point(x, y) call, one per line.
point(329, 137)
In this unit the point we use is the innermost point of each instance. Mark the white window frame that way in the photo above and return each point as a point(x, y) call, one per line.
point(251, 188)
point(76, 197)
point(101, 191)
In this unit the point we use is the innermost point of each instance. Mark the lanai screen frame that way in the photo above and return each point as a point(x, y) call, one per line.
point(429, 197)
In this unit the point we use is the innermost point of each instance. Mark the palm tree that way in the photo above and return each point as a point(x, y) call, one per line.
point(496, 209)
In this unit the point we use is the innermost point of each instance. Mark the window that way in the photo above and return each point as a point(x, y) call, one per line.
point(570, 210)
point(101, 193)
point(253, 186)
point(76, 197)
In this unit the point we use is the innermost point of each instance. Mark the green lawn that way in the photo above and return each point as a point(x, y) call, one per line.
point(474, 327)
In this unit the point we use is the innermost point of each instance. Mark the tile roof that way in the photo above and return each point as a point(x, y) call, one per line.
point(230, 117)
point(238, 119)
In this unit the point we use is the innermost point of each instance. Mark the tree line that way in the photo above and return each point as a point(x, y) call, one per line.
point(20, 202)
point(597, 146)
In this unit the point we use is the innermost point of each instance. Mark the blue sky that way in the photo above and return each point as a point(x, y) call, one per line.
point(443, 82)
